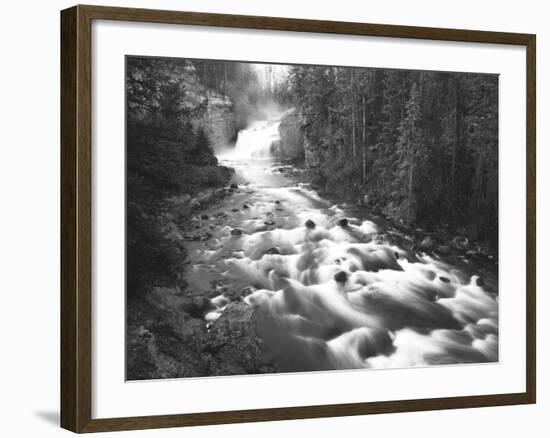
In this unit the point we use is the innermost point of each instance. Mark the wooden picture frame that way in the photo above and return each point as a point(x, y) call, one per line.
point(76, 217)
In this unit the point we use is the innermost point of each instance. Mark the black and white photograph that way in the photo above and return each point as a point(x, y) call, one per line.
point(275, 219)
point(288, 218)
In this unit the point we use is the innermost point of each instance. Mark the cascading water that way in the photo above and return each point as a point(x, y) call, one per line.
point(333, 293)
point(256, 141)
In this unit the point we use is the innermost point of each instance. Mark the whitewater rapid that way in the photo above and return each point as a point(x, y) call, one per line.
point(330, 291)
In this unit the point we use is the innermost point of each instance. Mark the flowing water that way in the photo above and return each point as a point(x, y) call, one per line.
point(331, 294)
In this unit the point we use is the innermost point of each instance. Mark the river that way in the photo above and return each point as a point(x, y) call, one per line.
point(331, 291)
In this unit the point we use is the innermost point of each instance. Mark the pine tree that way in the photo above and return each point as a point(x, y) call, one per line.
point(391, 116)
point(410, 151)
point(203, 154)
point(423, 146)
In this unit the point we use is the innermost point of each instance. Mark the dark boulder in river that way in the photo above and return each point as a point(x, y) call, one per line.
point(341, 277)
point(343, 222)
point(310, 224)
point(236, 232)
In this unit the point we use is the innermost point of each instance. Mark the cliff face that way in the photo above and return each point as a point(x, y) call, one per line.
point(291, 144)
point(295, 142)
point(219, 121)
point(210, 110)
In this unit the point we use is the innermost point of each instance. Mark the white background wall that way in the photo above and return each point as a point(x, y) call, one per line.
point(29, 221)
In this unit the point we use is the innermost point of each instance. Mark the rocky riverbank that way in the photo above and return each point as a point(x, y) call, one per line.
point(166, 338)
point(177, 331)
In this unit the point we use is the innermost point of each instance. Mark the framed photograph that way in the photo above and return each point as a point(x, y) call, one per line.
point(269, 218)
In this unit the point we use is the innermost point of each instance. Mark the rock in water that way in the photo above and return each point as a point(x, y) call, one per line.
point(427, 243)
point(343, 222)
point(234, 186)
point(310, 225)
point(341, 277)
point(443, 249)
point(204, 217)
point(273, 250)
point(236, 232)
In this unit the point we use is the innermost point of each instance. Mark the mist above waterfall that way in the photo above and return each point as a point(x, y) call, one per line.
point(256, 94)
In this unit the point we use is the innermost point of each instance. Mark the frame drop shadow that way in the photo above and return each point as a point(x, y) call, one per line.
point(51, 417)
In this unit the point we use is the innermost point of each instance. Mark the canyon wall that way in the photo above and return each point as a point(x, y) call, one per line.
point(219, 121)
point(291, 144)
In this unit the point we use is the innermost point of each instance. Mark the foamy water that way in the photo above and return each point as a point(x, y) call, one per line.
point(331, 294)
point(256, 141)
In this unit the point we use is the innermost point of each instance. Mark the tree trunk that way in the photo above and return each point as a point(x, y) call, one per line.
point(225, 78)
point(453, 152)
point(364, 142)
point(409, 200)
point(353, 113)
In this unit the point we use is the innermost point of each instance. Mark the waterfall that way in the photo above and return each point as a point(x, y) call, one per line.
point(256, 141)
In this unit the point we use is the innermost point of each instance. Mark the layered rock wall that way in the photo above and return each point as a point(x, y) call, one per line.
point(219, 121)
point(291, 143)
